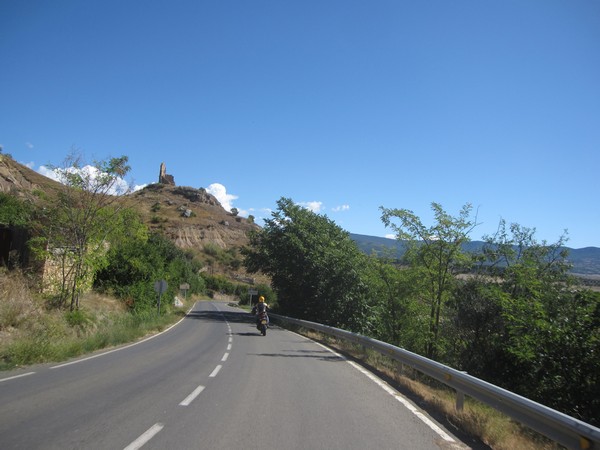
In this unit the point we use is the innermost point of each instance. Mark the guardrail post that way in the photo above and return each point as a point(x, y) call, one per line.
point(460, 400)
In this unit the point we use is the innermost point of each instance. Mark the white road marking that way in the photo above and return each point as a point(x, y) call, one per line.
point(216, 371)
point(148, 434)
point(17, 376)
point(229, 347)
point(386, 387)
point(190, 398)
point(402, 400)
point(225, 356)
point(230, 339)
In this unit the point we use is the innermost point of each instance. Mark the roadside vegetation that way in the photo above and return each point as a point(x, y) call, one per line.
point(511, 315)
point(32, 331)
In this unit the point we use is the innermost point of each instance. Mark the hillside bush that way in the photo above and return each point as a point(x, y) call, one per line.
point(136, 264)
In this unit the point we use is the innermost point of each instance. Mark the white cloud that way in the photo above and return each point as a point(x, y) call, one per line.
point(31, 164)
point(120, 186)
point(29, 144)
point(312, 206)
point(341, 208)
point(390, 236)
point(220, 192)
point(48, 173)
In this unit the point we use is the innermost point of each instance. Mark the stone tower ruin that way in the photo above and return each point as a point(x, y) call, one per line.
point(163, 177)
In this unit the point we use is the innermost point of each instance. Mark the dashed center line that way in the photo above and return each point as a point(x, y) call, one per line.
point(190, 398)
point(225, 356)
point(216, 371)
point(148, 434)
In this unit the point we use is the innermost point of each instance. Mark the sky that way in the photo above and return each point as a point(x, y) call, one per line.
point(343, 106)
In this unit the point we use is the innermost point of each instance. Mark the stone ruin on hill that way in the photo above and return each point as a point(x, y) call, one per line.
point(163, 177)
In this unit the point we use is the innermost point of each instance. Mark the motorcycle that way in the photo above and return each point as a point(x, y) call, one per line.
point(262, 323)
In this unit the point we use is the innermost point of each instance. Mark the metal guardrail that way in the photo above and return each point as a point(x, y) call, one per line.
point(567, 431)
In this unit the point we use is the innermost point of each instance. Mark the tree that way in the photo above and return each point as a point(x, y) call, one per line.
point(80, 220)
point(14, 212)
point(437, 252)
point(316, 270)
point(398, 315)
point(138, 261)
point(523, 323)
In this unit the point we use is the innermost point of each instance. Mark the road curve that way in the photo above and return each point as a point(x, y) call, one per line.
point(211, 382)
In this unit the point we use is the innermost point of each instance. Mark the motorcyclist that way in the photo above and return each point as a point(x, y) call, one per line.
point(260, 307)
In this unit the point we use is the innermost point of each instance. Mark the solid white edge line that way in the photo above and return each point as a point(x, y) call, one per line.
point(124, 347)
point(190, 398)
point(17, 376)
point(386, 387)
point(225, 356)
point(148, 434)
point(445, 436)
point(216, 371)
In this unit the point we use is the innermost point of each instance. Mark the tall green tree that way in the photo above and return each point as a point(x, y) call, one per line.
point(435, 251)
point(79, 221)
point(523, 323)
point(399, 318)
point(317, 271)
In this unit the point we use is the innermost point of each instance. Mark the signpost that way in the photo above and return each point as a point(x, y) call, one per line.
point(184, 287)
point(160, 287)
point(252, 292)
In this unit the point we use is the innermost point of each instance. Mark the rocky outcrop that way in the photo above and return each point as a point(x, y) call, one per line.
point(196, 195)
point(21, 181)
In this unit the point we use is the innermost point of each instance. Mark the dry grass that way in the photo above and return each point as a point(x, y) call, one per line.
point(30, 332)
point(476, 420)
point(17, 306)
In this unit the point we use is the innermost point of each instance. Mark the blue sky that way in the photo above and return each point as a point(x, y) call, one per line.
point(342, 105)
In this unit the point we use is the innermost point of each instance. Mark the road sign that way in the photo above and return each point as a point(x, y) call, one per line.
point(184, 286)
point(252, 292)
point(160, 286)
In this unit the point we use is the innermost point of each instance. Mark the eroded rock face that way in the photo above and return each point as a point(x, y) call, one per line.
point(197, 237)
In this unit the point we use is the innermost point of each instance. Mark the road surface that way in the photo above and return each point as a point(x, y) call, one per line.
point(211, 382)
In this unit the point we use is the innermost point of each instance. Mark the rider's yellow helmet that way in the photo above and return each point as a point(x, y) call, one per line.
point(261, 299)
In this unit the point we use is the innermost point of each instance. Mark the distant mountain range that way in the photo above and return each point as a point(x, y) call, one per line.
point(586, 261)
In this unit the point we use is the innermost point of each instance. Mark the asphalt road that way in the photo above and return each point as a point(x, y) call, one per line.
point(211, 382)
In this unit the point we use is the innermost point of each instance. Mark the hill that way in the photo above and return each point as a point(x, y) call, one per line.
point(192, 218)
point(19, 180)
point(586, 261)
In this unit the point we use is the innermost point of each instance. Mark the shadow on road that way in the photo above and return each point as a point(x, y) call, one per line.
point(317, 354)
point(218, 316)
